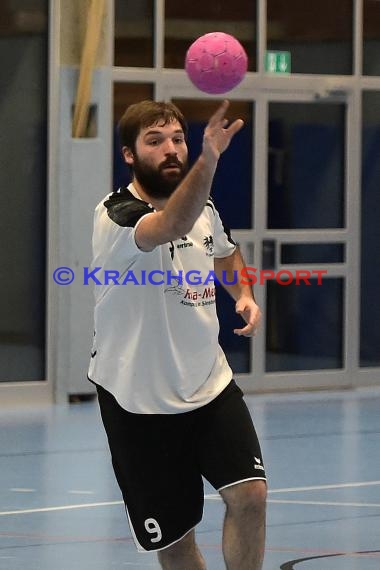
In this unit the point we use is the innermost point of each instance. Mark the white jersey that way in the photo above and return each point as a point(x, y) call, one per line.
point(156, 331)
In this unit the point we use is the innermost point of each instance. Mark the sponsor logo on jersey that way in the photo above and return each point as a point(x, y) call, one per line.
point(199, 298)
point(258, 464)
point(208, 244)
point(184, 243)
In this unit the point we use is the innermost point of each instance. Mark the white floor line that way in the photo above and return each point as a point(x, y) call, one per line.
point(216, 496)
point(321, 487)
point(316, 503)
point(324, 503)
point(62, 508)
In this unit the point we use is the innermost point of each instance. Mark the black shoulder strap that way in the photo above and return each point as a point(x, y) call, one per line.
point(124, 209)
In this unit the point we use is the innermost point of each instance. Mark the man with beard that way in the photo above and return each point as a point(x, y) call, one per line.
point(170, 407)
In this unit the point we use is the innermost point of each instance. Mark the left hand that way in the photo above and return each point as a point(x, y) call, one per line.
point(247, 308)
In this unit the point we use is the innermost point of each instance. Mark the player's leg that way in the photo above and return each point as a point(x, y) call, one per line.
point(153, 460)
point(244, 525)
point(182, 554)
point(230, 458)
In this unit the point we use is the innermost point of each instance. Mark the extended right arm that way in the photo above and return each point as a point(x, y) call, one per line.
point(187, 202)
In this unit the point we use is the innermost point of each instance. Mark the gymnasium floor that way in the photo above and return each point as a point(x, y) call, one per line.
point(60, 507)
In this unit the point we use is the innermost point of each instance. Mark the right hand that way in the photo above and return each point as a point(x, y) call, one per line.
point(217, 136)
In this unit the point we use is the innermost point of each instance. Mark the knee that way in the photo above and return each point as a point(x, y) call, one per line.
point(249, 496)
point(178, 550)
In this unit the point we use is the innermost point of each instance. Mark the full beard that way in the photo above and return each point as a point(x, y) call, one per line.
point(162, 181)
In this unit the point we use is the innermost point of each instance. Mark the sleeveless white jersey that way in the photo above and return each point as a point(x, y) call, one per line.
point(156, 330)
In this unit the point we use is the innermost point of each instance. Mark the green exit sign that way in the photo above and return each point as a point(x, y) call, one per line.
point(277, 62)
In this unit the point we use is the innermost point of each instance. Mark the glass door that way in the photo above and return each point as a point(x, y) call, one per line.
point(304, 221)
point(24, 61)
point(287, 190)
point(293, 189)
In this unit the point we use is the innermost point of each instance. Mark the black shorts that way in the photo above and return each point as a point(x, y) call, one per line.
point(159, 460)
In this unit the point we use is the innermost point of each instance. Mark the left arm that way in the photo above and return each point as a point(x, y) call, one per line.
point(243, 294)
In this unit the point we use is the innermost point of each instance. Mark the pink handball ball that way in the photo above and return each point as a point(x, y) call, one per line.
point(216, 62)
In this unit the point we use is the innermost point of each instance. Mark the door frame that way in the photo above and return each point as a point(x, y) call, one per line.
point(305, 89)
point(349, 270)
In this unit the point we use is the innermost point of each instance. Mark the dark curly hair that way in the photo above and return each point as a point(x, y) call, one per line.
point(144, 114)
